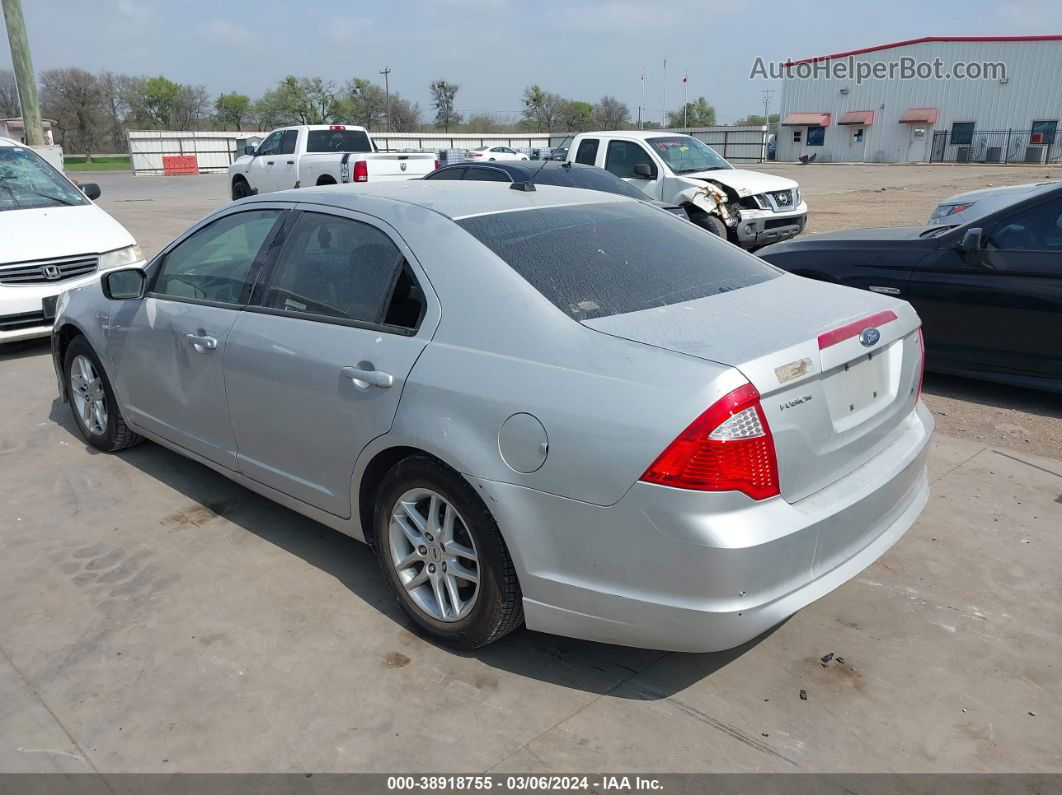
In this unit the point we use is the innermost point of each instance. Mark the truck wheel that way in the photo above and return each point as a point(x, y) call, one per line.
point(240, 189)
point(326, 180)
point(712, 223)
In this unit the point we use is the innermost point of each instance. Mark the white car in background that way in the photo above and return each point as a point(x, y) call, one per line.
point(52, 238)
point(496, 153)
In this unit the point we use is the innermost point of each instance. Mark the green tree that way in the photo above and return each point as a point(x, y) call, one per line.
point(161, 98)
point(233, 110)
point(442, 99)
point(755, 120)
point(611, 114)
point(577, 116)
point(542, 109)
point(696, 114)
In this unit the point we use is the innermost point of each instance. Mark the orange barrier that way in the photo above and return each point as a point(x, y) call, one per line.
point(179, 165)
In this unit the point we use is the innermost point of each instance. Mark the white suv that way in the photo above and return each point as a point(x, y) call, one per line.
point(52, 238)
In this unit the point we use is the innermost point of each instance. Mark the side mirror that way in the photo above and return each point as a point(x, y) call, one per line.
point(249, 150)
point(126, 284)
point(92, 190)
point(644, 170)
point(973, 240)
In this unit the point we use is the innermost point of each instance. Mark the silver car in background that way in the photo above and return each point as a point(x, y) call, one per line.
point(964, 208)
point(556, 407)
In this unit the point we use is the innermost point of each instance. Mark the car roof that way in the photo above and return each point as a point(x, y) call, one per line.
point(451, 198)
point(1004, 191)
point(520, 168)
point(643, 134)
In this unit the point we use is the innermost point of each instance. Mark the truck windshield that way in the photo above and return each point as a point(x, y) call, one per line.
point(685, 154)
point(27, 182)
point(337, 141)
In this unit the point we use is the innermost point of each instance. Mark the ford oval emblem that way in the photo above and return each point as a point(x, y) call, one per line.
point(869, 336)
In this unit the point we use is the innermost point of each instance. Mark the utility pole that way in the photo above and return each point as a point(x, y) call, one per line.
point(767, 93)
point(386, 72)
point(663, 113)
point(640, 107)
point(25, 78)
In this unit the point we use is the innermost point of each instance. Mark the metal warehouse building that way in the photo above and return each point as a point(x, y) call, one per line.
point(862, 106)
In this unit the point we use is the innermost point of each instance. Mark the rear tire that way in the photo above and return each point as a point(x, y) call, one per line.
point(240, 189)
point(92, 400)
point(326, 180)
point(432, 532)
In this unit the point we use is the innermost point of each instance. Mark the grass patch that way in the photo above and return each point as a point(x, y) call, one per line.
point(102, 163)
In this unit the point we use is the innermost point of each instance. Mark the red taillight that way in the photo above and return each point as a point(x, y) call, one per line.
point(361, 171)
point(728, 448)
point(437, 164)
point(337, 127)
point(922, 366)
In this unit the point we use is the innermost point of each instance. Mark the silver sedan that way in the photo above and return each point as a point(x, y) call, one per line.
point(556, 408)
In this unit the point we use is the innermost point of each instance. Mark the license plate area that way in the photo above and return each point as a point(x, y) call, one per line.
point(862, 387)
point(48, 306)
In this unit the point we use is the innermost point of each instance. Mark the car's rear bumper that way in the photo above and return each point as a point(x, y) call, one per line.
point(688, 571)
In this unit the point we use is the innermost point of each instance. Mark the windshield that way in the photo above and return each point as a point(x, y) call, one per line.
point(26, 182)
point(685, 154)
point(596, 260)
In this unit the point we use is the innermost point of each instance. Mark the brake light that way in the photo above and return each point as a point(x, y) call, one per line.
point(361, 171)
point(728, 448)
point(922, 370)
point(437, 164)
point(337, 127)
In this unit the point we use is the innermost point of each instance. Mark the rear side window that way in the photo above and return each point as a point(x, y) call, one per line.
point(587, 154)
point(447, 173)
point(337, 141)
point(596, 260)
point(334, 267)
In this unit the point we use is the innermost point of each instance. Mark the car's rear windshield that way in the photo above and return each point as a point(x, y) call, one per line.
point(338, 141)
point(596, 260)
point(587, 177)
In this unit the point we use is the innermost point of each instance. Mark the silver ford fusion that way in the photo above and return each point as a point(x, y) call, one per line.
point(552, 407)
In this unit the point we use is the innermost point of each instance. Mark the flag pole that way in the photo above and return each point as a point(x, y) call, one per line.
point(685, 97)
point(663, 113)
point(641, 107)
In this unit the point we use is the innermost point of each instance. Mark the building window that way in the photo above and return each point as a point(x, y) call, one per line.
point(798, 135)
point(1043, 132)
point(857, 135)
point(816, 136)
point(962, 133)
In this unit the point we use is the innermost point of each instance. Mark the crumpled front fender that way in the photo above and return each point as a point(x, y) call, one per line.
point(711, 199)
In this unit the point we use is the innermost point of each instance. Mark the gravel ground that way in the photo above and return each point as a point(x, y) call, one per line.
point(1021, 419)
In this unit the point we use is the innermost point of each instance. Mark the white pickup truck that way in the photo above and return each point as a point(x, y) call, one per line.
point(321, 154)
point(748, 208)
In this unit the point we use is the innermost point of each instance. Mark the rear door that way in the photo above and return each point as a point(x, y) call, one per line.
point(999, 308)
point(316, 365)
point(169, 348)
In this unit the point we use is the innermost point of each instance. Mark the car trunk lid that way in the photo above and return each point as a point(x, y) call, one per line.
point(831, 399)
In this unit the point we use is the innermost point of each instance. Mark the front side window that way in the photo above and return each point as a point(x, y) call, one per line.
point(685, 154)
point(288, 139)
point(622, 156)
point(27, 181)
point(587, 154)
point(816, 136)
point(270, 144)
point(962, 133)
point(334, 267)
point(213, 263)
point(597, 260)
point(1036, 228)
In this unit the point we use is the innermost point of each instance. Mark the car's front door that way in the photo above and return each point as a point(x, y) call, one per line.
point(998, 307)
point(285, 170)
point(261, 174)
point(169, 348)
point(316, 364)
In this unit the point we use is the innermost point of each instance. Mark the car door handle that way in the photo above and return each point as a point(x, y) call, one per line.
point(369, 376)
point(269, 162)
point(291, 162)
point(202, 341)
point(884, 290)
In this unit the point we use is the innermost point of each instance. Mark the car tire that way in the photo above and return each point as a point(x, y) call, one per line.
point(240, 189)
point(92, 400)
point(712, 223)
point(413, 503)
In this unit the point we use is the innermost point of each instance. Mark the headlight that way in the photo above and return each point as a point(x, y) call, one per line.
point(120, 257)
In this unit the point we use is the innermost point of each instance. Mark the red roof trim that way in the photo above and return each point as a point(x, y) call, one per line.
point(846, 332)
point(922, 40)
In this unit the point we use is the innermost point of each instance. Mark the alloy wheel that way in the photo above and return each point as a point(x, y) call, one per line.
point(90, 399)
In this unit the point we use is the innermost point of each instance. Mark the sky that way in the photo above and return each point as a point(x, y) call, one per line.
point(495, 48)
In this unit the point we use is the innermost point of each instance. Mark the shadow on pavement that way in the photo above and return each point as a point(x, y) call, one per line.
point(989, 393)
point(582, 665)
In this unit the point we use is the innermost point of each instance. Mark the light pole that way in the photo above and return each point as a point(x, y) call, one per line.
point(25, 79)
point(386, 72)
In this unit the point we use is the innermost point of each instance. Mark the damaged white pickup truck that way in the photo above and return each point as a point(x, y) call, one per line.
point(749, 208)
